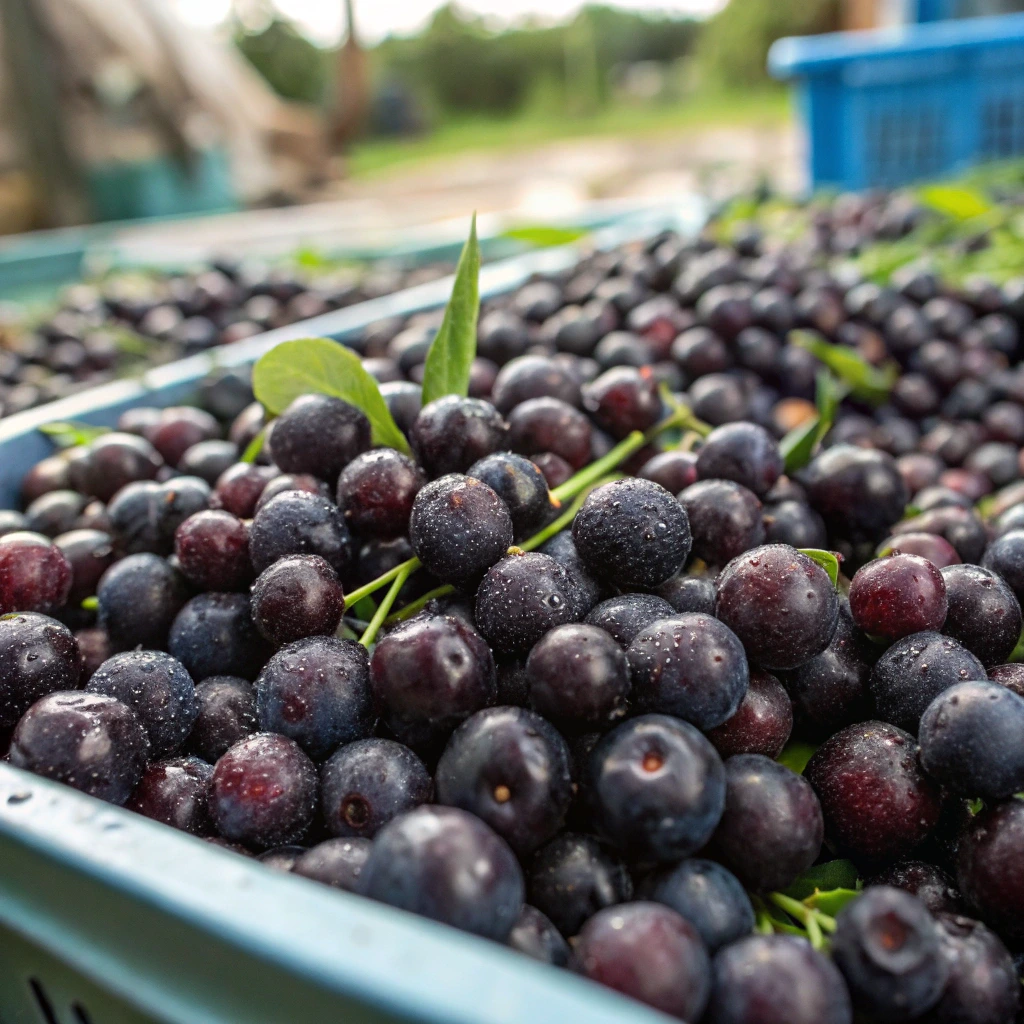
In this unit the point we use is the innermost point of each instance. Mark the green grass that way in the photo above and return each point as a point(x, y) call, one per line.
point(480, 134)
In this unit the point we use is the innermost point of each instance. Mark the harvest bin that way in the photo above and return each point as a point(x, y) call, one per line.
point(885, 108)
point(107, 917)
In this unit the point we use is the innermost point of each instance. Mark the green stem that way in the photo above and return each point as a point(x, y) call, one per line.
point(414, 607)
point(604, 465)
point(812, 920)
point(405, 570)
point(409, 567)
point(566, 518)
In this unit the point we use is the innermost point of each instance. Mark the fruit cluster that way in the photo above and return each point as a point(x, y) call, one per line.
point(591, 634)
point(130, 321)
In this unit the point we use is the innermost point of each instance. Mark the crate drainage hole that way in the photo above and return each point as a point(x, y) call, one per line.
point(43, 1001)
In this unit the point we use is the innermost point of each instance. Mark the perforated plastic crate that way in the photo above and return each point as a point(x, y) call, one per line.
point(889, 107)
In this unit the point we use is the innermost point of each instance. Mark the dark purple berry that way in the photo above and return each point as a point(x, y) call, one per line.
point(338, 863)
point(930, 884)
point(984, 615)
point(319, 435)
point(742, 452)
point(520, 485)
point(534, 935)
point(227, 714)
point(298, 596)
point(376, 492)
point(453, 432)
point(214, 635)
point(761, 724)
point(38, 655)
point(298, 523)
point(725, 519)
point(689, 594)
point(623, 399)
point(139, 598)
point(550, 425)
point(213, 551)
point(176, 792)
point(34, 574)
point(89, 553)
point(899, 595)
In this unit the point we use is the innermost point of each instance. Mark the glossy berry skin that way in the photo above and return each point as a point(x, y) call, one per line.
point(139, 598)
point(376, 491)
point(690, 666)
point(522, 597)
point(742, 452)
point(320, 435)
point(89, 553)
point(656, 787)
point(930, 884)
point(984, 615)
point(176, 791)
point(213, 551)
point(453, 432)
point(510, 768)
point(535, 936)
point(776, 979)
point(961, 527)
point(88, 741)
point(145, 516)
point(689, 594)
point(1005, 556)
point(298, 523)
point(158, 689)
point(857, 491)
point(725, 519)
point(1011, 676)
point(632, 533)
point(297, 597)
point(771, 829)
point(316, 691)
point(914, 671)
point(213, 635)
point(899, 595)
point(264, 792)
point(529, 377)
point(34, 574)
point(428, 675)
point(459, 528)
point(674, 470)
point(578, 676)
point(38, 655)
point(623, 399)
point(761, 724)
point(972, 740)
point(780, 604)
point(562, 549)
point(366, 783)
point(648, 952)
point(626, 615)
point(240, 486)
point(111, 462)
point(990, 869)
point(291, 482)
point(709, 896)
point(338, 863)
point(54, 513)
point(445, 864)
point(983, 986)
point(936, 549)
point(796, 524)
point(573, 877)
point(550, 425)
point(877, 802)
point(227, 714)
point(888, 948)
point(520, 485)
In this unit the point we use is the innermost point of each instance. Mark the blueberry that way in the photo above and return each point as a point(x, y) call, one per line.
point(573, 877)
point(689, 594)
point(725, 519)
point(459, 528)
point(632, 533)
point(509, 767)
point(86, 740)
point(227, 714)
point(338, 863)
point(626, 615)
point(984, 615)
point(914, 671)
point(534, 376)
point(139, 598)
point(158, 689)
point(428, 675)
point(212, 549)
point(649, 952)
point(451, 433)
point(675, 470)
point(316, 691)
point(298, 523)
point(113, 461)
point(550, 425)
point(38, 655)
point(376, 492)
point(145, 516)
point(54, 513)
point(264, 792)
point(657, 788)
point(709, 896)
point(744, 453)
point(972, 740)
point(320, 435)
point(520, 485)
point(794, 523)
point(176, 791)
point(623, 399)
point(445, 864)
point(366, 783)
point(534, 935)
point(761, 724)
point(888, 948)
point(297, 597)
point(213, 635)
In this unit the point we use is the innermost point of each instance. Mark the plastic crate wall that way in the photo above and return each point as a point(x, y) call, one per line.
point(883, 109)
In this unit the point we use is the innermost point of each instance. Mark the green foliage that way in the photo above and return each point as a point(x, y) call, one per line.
point(867, 382)
point(796, 755)
point(71, 435)
point(294, 67)
point(826, 559)
point(833, 874)
point(798, 446)
point(733, 46)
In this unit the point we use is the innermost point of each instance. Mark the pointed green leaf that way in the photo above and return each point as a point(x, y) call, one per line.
point(446, 371)
point(828, 560)
point(254, 447)
point(867, 382)
point(799, 444)
point(542, 236)
point(323, 367)
point(71, 435)
point(956, 201)
point(796, 755)
point(831, 901)
point(833, 874)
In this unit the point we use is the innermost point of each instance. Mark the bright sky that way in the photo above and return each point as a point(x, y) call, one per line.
point(323, 19)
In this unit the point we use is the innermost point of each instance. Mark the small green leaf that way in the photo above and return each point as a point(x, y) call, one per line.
point(911, 511)
point(1018, 652)
point(956, 201)
point(446, 370)
point(833, 874)
point(323, 367)
point(365, 609)
point(796, 755)
point(90, 604)
point(543, 236)
point(799, 444)
point(71, 435)
point(865, 381)
point(254, 447)
point(831, 901)
point(828, 560)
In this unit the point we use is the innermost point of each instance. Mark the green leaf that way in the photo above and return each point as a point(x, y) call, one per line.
point(831, 901)
point(865, 381)
point(833, 874)
point(828, 560)
point(796, 755)
point(71, 435)
point(799, 444)
point(446, 370)
point(90, 604)
point(956, 201)
point(365, 609)
point(318, 366)
point(543, 236)
point(254, 447)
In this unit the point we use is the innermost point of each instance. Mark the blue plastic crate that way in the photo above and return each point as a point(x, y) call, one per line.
point(110, 918)
point(889, 107)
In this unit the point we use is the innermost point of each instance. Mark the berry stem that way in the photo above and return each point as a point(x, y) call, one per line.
point(404, 571)
point(408, 567)
point(559, 524)
point(813, 920)
point(414, 607)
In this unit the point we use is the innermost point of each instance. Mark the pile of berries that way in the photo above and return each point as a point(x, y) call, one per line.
point(578, 674)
